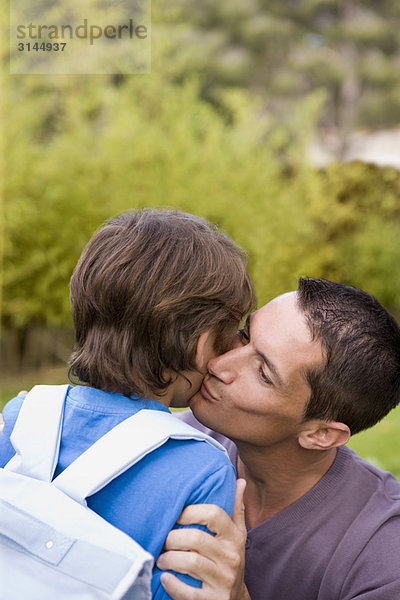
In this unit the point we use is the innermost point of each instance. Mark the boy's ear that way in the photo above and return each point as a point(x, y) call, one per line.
point(203, 350)
point(322, 435)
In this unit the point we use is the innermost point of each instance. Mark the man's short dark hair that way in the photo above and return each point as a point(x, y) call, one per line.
point(146, 286)
point(360, 380)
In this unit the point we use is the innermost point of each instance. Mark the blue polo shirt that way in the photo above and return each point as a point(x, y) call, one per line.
point(145, 501)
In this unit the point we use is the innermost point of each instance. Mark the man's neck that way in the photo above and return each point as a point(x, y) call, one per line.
point(276, 477)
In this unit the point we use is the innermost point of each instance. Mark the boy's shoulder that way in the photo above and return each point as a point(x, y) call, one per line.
point(13, 406)
point(10, 414)
point(188, 417)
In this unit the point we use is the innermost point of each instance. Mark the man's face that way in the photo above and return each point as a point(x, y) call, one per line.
point(257, 391)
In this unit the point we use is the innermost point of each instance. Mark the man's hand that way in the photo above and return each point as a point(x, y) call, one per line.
point(218, 561)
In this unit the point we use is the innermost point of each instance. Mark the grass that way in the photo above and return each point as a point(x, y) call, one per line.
point(10, 385)
point(379, 445)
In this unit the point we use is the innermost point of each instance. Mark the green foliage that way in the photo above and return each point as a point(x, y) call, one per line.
point(82, 150)
point(347, 227)
point(380, 445)
point(362, 227)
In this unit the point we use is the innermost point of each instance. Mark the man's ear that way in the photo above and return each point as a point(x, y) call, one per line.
point(204, 346)
point(322, 435)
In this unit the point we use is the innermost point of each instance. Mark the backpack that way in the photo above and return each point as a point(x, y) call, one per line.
point(52, 546)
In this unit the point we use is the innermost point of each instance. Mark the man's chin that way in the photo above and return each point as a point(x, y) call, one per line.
point(196, 401)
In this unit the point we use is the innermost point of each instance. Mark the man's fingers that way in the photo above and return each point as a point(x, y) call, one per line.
point(238, 515)
point(218, 561)
point(177, 589)
point(22, 393)
point(189, 563)
point(189, 539)
point(210, 515)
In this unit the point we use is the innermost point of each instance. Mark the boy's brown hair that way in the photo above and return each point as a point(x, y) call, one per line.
point(146, 286)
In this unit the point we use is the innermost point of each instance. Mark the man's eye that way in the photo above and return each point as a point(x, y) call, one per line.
point(244, 336)
point(264, 377)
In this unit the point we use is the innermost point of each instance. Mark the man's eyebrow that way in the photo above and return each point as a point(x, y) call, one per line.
point(269, 364)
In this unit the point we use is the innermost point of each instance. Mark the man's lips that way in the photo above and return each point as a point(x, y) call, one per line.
point(206, 392)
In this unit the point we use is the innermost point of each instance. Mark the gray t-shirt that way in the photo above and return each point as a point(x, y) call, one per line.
point(338, 542)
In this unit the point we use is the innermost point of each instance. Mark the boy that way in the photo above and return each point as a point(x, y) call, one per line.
point(154, 296)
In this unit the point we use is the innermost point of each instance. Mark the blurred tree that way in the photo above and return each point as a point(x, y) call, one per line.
point(284, 49)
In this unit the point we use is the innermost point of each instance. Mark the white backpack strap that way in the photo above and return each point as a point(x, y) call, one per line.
point(37, 432)
point(121, 448)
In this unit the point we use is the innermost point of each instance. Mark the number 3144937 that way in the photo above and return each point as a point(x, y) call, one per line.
point(44, 47)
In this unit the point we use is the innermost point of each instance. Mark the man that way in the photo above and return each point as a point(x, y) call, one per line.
point(311, 368)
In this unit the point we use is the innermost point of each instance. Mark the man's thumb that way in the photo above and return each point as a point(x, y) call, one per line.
point(238, 507)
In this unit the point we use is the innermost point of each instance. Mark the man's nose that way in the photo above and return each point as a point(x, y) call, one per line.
point(226, 366)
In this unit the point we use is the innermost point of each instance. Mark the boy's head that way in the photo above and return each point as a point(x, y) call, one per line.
point(145, 288)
